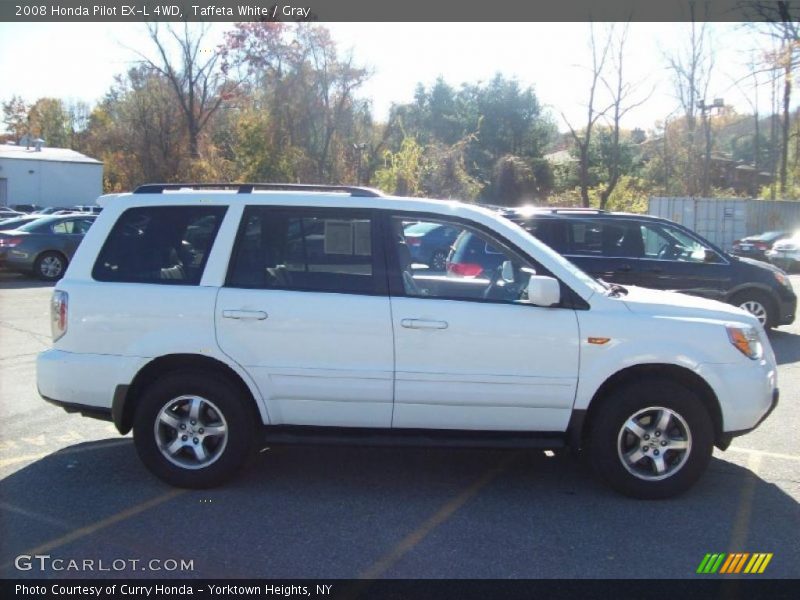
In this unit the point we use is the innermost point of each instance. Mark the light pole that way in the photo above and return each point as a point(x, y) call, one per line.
point(704, 108)
point(359, 148)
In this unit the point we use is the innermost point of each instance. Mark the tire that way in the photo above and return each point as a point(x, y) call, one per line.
point(170, 440)
point(610, 441)
point(758, 304)
point(50, 266)
point(438, 260)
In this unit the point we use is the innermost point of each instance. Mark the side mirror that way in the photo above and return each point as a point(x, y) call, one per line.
point(507, 271)
point(543, 290)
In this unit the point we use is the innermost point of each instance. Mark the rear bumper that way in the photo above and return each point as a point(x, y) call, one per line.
point(84, 383)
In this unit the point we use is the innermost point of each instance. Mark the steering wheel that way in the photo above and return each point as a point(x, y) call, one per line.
point(497, 291)
point(666, 251)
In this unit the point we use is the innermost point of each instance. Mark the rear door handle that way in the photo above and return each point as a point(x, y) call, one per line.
point(245, 315)
point(423, 324)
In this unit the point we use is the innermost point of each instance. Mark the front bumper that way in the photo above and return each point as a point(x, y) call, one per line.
point(746, 393)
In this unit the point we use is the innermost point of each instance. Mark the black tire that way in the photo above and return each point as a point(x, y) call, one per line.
point(626, 401)
point(438, 260)
point(50, 266)
point(221, 395)
point(748, 297)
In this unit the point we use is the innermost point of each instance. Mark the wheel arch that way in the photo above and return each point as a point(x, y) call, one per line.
point(581, 424)
point(126, 397)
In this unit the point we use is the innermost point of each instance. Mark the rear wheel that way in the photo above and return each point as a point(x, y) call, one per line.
point(438, 260)
point(758, 304)
point(192, 430)
point(651, 439)
point(50, 266)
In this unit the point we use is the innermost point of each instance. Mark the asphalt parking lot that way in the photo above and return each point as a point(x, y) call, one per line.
point(72, 488)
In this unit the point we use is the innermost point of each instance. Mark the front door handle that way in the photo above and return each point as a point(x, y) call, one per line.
point(423, 324)
point(245, 315)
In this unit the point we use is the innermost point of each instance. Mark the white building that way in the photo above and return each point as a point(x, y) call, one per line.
point(48, 176)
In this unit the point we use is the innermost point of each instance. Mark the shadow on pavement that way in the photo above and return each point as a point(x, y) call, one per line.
point(340, 512)
point(18, 281)
point(786, 346)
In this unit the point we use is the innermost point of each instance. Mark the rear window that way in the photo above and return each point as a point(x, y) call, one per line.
point(159, 244)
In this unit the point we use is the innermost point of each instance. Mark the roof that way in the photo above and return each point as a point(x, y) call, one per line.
point(46, 154)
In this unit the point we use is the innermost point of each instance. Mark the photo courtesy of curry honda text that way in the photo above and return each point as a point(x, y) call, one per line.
point(210, 319)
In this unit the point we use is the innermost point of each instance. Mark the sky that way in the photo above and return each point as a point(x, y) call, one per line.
point(77, 61)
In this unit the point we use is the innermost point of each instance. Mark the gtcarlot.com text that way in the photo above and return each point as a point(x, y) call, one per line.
point(45, 562)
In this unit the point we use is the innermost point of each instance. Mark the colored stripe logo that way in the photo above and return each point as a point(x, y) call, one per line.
point(737, 562)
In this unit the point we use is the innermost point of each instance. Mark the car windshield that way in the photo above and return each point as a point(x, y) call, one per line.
point(767, 236)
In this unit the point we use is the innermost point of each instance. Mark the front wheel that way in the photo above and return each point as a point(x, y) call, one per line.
point(651, 439)
point(192, 430)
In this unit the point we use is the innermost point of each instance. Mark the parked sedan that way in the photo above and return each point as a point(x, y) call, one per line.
point(786, 253)
point(756, 246)
point(45, 246)
point(430, 243)
point(7, 213)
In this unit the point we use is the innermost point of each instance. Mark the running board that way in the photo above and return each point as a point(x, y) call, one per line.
point(447, 438)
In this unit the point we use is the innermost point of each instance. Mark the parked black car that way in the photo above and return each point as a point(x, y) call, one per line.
point(430, 243)
point(644, 251)
point(756, 246)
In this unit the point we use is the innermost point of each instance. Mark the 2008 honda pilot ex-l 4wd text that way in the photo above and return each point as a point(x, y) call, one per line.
point(209, 319)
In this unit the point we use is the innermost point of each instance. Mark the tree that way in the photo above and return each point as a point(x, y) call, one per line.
point(691, 69)
point(15, 117)
point(195, 77)
point(621, 93)
point(583, 139)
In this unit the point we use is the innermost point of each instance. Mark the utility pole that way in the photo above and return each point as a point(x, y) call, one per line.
point(704, 108)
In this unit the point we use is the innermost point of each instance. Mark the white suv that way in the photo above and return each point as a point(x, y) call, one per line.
point(210, 318)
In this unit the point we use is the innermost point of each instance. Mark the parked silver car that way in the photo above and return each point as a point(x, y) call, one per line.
point(45, 246)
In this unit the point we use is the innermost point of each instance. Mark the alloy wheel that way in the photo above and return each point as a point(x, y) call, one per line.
point(654, 443)
point(191, 432)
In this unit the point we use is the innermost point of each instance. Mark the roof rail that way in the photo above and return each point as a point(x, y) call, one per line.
point(567, 209)
point(248, 188)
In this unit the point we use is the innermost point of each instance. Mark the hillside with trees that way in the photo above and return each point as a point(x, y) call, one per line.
point(282, 102)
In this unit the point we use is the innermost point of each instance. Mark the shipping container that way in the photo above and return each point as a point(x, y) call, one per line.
point(723, 220)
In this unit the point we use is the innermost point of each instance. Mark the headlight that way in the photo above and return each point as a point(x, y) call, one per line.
point(782, 279)
point(746, 341)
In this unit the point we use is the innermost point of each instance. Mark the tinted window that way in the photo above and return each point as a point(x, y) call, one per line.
point(159, 244)
point(303, 250)
point(605, 237)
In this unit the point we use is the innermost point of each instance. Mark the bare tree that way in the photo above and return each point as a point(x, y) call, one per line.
point(691, 74)
point(781, 22)
point(194, 75)
point(583, 138)
point(622, 102)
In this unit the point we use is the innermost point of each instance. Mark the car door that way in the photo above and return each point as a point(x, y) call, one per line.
point(305, 312)
point(470, 353)
point(675, 260)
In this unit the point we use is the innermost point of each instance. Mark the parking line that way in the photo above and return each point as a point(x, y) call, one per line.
point(741, 522)
point(99, 525)
point(753, 451)
point(431, 523)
